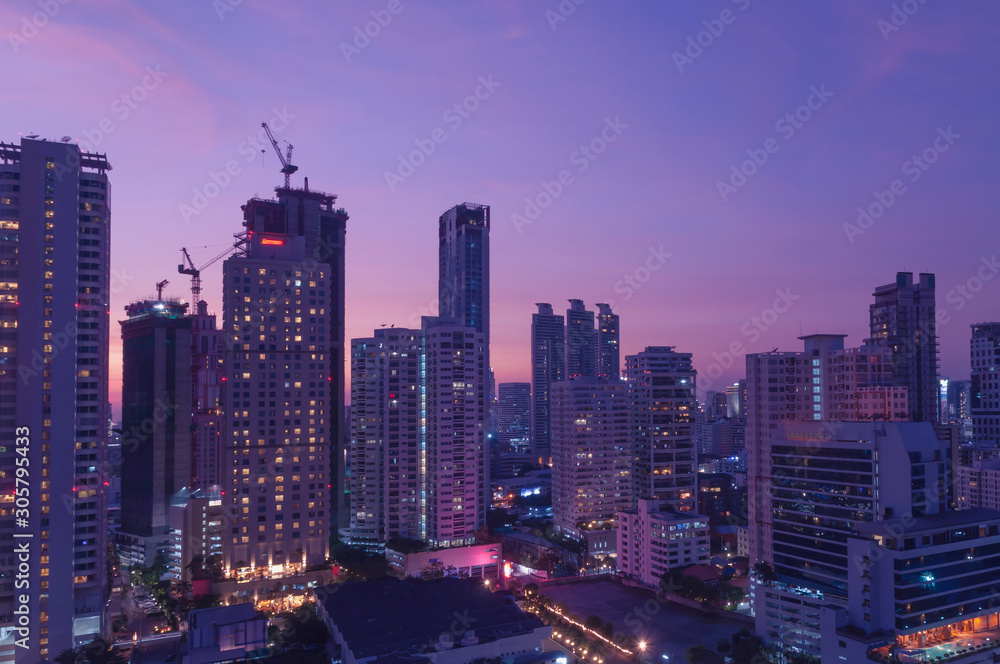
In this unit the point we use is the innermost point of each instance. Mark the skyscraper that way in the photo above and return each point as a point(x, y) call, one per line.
point(464, 292)
point(385, 443)
point(581, 341)
point(464, 266)
point(515, 416)
point(280, 359)
point(661, 386)
point(548, 365)
point(608, 343)
point(455, 479)
point(156, 401)
point(55, 233)
point(985, 387)
point(902, 318)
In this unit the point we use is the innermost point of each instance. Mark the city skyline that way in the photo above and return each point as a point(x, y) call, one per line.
point(873, 98)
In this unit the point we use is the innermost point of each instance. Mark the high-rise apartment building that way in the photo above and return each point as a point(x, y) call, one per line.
point(453, 409)
point(591, 454)
point(581, 341)
point(985, 385)
point(548, 366)
point(156, 401)
point(385, 444)
point(280, 325)
point(661, 386)
point(417, 449)
point(515, 417)
point(902, 318)
point(608, 343)
point(207, 347)
point(55, 223)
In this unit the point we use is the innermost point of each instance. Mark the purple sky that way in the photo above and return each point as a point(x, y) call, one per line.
point(682, 125)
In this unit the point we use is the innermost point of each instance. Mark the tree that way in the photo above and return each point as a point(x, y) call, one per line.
point(530, 589)
point(593, 623)
point(765, 572)
point(305, 627)
point(701, 655)
point(98, 651)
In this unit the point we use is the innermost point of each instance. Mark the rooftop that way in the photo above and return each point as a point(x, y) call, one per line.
point(910, 524)
point(399, 617)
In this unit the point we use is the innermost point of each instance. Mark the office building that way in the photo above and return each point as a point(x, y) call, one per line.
point(581, 341)
point(277, 395)
point(902, 318)
point(661, 385)
point(55, 233)
point(823, 382)
point(985, 384)
point(608, 343)
point(921, 588)
point(548, 366)
point(514, 406)
point(827, 478)
point(591, 454)
point(156, 406)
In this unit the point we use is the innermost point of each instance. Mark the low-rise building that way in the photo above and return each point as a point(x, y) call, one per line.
point(225, 634)
point(446, 621)
point(652, 541)
point(480, 561)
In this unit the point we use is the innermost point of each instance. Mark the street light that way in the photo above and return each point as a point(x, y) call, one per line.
point(642, 646)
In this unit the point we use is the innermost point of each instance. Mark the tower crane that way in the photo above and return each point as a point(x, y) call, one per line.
point(195, 272)
point(286, 160)
point(160, 285)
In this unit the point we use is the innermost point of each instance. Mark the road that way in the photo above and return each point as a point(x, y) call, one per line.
point(664, 627)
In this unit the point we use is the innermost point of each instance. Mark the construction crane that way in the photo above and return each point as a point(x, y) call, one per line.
point(286, 160)
point(160, 285)
point(195, 272)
